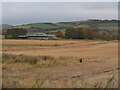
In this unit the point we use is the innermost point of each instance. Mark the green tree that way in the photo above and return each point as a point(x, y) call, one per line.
point(74, 33)
point(68, 32)
point(77, 33)
point(13, 33)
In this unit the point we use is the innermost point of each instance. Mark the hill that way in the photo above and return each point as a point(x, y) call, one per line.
point(43, 26)
point(101, 25)
point(4, 27)
point(92, 21)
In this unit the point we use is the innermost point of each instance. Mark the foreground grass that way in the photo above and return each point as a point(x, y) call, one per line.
point(108, 83)
point(13, 65)
point(14, 80)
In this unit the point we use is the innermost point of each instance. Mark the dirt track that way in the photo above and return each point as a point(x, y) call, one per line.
point(100, 59)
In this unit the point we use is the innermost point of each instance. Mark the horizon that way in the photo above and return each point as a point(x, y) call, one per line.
point(56, 22)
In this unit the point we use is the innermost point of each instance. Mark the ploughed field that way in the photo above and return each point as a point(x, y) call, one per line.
point(60, 63)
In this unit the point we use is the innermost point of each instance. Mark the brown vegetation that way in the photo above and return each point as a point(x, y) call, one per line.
point(70, 64)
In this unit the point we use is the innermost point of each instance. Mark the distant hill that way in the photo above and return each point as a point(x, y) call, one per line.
point(92, 21)
point(104, 25)
point(101, 25)
point(44, 26)
point(41, 27)
point(4, 27)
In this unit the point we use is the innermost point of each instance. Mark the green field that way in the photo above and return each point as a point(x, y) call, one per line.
point(39, 26)
point(109, 24)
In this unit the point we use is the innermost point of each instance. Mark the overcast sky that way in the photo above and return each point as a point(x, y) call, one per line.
point(30, 12)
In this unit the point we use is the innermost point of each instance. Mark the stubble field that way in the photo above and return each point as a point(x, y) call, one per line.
point(60, 63)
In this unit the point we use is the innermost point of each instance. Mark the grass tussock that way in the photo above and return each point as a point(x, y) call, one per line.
point(108, 82)
point(38, 83)
point(40, 61)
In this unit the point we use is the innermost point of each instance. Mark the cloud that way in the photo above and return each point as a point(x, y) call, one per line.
point(27, 12)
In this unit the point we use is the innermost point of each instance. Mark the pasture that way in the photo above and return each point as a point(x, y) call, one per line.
point(60, 63)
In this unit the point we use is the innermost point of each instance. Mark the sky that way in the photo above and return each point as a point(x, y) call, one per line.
point(15, 13)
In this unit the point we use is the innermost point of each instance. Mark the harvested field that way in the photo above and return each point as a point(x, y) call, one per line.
point(60, 63)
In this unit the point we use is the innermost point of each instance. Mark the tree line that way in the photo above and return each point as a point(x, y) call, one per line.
point(13, 33)
point(88, 33)
point(70, 33)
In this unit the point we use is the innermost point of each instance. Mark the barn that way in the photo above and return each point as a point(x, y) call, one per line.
point(37, 36)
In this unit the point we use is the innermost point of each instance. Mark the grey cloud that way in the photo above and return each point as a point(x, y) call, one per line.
point(17, 13)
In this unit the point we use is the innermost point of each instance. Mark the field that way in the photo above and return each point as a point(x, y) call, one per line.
point(40, 25)
point(60, 63)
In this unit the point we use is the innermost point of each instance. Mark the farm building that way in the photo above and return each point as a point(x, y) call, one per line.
point(53, 36)
point(37, 36)
point(23, 37)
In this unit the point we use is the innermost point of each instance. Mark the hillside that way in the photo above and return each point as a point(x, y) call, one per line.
point(92, 21)
point(104, 25)
point(101, 25)
point(43, 26)
point(108, 25)
point(4, 27)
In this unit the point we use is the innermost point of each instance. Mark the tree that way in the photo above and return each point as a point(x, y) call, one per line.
point(104, 36)
point(13, 33)
point(68, 32)
point(88, 33)
point(77, 33)
point(59, 34)
point(74, 33)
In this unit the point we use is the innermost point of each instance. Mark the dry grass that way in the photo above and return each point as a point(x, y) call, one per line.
point(75, 64)
point(41, 61)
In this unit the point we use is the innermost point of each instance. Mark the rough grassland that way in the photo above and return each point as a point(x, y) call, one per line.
point(61, 63)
